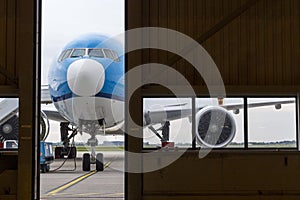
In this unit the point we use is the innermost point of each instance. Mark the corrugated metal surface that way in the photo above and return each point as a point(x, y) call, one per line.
point(259, 47)
point(8, 70)
point(257, 52)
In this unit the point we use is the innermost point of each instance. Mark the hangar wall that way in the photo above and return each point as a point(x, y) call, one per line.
point(8, 69)
point(256, 49)
point(19, 78)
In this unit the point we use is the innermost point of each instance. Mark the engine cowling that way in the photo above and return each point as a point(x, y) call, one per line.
point(9, 130)
point(44, 126)
point(215, 127)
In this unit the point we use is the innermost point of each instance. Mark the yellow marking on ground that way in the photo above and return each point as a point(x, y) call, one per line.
point(115, 194)
point(88, 194)
point(77, 180)
point(63, 187)
point(107, 164)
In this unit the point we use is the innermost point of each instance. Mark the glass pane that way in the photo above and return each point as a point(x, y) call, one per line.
point(67, 54)
point(96, 53)
point(115, 55)
point(176, 111)
point(78, 52)
point(232, 134)
point(272, 122)
point(9, 123)
point(109, 54)
point(61, 56)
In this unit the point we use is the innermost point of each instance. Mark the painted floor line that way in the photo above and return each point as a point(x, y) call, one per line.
point(75, 181)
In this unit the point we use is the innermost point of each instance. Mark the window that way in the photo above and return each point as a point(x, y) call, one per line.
point(65, 54)
point(235, 110)
point(78, 53)
point(96, 53)
point(61, 56)
point(158, 112)
point(247, 123)
point(111, 55)
point(9, 123)
point(272, 126)
point(115, 56)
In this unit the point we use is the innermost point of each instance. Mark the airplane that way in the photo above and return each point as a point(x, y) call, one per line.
point(86, 86)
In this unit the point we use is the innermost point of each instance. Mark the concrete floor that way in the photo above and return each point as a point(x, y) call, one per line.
point(64, 183)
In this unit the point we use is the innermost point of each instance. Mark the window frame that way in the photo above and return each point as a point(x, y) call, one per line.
point(245, 98)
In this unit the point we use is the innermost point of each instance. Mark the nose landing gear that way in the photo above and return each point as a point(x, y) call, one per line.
point(92, 158)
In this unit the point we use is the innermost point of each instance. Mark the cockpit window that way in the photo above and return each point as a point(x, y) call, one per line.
point(96, 53)
point(78, 53)
point(116, 57)
point(111, 54)
point(65, 54)
point(61, 56)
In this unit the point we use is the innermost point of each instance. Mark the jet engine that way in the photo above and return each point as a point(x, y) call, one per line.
point(44, 126)
point(215, 127)
point(9, 130)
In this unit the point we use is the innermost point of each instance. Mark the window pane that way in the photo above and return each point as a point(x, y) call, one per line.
point(234, 110)
point(272, 126)
point(111, 55)
point(175, 110)
point(9, 123)
point(61, 56)
point(78, 53)
point(67, 54)
point(96, 53)
point(115, 55)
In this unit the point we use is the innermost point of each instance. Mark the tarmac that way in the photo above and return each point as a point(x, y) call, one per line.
point(70, 182)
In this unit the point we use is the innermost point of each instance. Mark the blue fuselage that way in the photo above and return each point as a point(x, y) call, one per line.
point(86, 80)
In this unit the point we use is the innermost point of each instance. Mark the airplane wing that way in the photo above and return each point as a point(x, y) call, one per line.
point(54, 115)
point(156, 117)
point(160, 116)
point(46, 99)
point(258, 104)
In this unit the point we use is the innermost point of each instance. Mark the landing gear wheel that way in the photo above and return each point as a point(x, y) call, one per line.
point(99, 162)
point(73, 152)
point(86, 162)
point(58, 152)
point(45, 168)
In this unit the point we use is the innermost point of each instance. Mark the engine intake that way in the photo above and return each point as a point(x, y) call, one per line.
point(215, 127)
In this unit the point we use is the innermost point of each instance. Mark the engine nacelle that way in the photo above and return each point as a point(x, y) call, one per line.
point(44, 126)
point(215, 127)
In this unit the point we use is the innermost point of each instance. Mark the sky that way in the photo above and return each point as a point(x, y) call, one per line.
point(64, 20)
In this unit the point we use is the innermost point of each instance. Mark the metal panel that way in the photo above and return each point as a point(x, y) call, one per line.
point(8, 70)
point(256, 48)
point(257, 52)
point(26, 62)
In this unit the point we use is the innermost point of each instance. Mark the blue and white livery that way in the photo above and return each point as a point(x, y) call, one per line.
point(86, 85)
point(86, 82)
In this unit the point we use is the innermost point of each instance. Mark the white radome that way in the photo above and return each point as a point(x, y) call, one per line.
point(86, 77)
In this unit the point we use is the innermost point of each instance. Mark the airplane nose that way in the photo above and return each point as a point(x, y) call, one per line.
point(86, 77)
